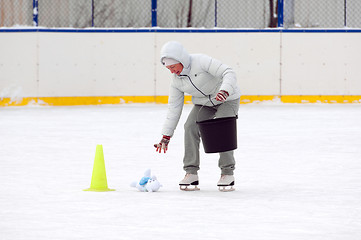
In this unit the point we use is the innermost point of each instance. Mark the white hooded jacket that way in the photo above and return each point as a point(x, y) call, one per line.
point(202, 78)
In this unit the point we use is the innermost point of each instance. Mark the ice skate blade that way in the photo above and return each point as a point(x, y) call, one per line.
point(226, 188)
point(186, 188)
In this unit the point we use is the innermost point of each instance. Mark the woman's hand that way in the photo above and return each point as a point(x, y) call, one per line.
point(163, 144)
point(222, 96)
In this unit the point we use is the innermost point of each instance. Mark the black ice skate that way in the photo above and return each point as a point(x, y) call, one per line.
point(189, 180)
point(226, 183)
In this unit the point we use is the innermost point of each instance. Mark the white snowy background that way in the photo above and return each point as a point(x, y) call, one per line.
point(298, 175)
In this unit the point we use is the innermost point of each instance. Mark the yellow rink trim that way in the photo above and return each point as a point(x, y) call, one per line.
point(321, 99)
point(72, 101)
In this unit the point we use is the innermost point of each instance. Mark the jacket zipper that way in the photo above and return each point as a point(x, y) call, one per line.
point(209, 96)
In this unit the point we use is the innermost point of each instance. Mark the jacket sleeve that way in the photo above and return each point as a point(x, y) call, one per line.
point(175, 107)
point(222, 71)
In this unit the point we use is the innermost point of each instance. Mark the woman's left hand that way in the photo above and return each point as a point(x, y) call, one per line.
point(222, 96)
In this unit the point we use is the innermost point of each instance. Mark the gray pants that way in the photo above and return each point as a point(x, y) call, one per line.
point(192, 136)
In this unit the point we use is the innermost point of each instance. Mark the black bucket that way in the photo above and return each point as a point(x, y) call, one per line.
point(219, 134)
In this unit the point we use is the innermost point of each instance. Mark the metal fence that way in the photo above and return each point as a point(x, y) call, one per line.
point(181, 13)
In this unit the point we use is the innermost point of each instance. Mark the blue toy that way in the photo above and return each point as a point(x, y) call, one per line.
point(147, 183)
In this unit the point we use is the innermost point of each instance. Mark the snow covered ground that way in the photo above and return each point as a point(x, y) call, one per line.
point(298, 175)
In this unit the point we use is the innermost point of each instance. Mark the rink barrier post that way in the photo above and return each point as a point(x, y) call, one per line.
point(280, 13)
point(93, 13)
point(35, 13)
point(154, 13)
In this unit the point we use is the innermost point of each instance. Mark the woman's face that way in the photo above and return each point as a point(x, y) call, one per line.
point(176, 68)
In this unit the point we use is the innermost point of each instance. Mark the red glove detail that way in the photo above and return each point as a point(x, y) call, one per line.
point(163, 144)
point(222, 96)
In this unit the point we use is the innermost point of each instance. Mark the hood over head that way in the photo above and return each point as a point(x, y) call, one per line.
point(176, 51)
point(169, 61)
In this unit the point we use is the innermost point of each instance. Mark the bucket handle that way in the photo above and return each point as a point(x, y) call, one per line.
point(235, 114)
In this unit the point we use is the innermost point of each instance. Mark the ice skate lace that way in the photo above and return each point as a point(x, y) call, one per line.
point(187, 176)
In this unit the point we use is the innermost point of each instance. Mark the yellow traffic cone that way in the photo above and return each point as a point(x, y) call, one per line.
point(99, 177)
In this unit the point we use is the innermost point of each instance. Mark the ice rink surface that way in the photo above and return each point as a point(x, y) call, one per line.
point(298, 175)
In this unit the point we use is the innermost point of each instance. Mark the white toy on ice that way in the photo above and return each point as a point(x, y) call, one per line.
point(147, 183)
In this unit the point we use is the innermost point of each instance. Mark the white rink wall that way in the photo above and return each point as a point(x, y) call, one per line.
point(62, 64)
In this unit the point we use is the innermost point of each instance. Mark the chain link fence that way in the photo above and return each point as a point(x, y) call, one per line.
point(181, 13)
point(96, 13)
point(16, 13)
point(211, 13)
point(322, 13)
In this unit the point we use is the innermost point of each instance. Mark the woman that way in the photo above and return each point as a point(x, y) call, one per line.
point(210, 83)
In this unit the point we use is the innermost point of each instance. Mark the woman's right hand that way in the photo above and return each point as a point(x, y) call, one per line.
point(163, 144)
